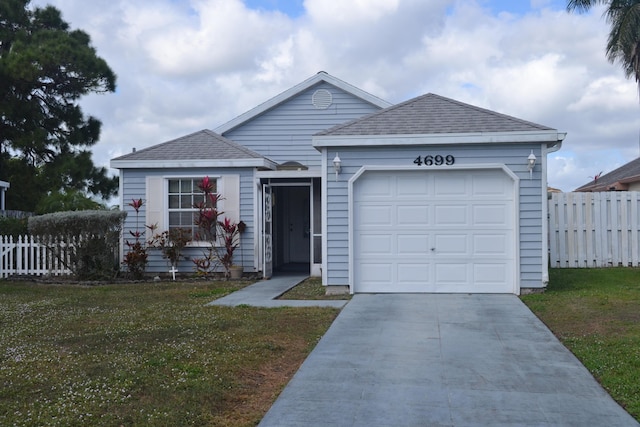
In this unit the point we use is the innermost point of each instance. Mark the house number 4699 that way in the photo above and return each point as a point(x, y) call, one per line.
point(436, 160)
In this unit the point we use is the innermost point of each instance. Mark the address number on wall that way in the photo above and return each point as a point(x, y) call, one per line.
point(436, 160)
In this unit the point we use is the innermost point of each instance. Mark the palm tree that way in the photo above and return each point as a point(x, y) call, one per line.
point(623, 45)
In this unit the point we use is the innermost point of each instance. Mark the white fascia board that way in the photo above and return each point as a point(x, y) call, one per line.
point(295, 90)
point(435, 139)
point(153, 164)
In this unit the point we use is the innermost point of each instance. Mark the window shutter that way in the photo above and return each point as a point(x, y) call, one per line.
point(229, 188)
point(155, 204)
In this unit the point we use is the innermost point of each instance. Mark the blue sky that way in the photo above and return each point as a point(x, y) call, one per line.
point(295, 8)
point(187, 65)
point(521, 7)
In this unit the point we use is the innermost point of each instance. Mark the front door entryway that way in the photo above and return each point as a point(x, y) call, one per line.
point(291, 228)
point(291, 225)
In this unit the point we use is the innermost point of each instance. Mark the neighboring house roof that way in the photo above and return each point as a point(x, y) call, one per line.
point(616, 180)
point(204, 148)
point(437, 116)
point(294, 91)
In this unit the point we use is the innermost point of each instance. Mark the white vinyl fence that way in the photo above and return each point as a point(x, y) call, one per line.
point(25, 256)
point(594, 229)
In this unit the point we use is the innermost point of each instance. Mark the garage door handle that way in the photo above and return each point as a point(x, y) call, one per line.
point(433, 249)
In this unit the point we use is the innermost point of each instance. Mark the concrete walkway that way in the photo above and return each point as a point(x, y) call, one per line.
point(265, 292)
point(442, 360)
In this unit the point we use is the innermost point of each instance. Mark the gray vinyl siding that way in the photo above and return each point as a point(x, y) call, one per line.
point(284, 133)
point(134, 187)
point(512, 155)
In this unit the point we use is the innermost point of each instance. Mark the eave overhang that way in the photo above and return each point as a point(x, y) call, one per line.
point(193, 163)
point(552, 137)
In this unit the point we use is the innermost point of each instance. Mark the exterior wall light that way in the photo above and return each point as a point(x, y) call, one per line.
point(531, 162)
point(337, 165)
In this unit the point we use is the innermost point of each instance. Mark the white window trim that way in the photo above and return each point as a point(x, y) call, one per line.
point(165, 204)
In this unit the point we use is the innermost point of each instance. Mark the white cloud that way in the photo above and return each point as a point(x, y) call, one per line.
point(608, 92)
point(350, 13)
point(184, 65)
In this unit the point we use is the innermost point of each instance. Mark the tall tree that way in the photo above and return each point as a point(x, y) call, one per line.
point(623, 45)
point(45, 68)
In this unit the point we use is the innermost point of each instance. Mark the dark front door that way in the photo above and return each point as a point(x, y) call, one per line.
point(292, 228)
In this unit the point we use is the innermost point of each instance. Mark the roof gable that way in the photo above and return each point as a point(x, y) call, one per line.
point(616, 179)
point(433, 114)
point(202, 148)
point(296, 90)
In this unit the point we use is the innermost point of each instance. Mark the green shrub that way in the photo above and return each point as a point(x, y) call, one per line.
point(85, 242)
point(13, 227)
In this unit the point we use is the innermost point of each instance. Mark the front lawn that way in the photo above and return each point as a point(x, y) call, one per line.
point(148, 354)
point(596, 314)
point(312, 289)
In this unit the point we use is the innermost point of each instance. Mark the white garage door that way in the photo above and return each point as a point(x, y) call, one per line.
point(434, 231)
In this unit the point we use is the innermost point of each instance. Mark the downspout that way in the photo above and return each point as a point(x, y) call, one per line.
point(323, 209)
point(550, 148)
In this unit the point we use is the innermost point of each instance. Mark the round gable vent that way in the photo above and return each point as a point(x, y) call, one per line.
point(321, 99)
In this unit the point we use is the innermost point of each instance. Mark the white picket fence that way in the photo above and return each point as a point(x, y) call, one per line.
point(594, 229)
point(25, 256)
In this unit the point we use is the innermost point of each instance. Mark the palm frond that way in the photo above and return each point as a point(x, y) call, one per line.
point(582, 6)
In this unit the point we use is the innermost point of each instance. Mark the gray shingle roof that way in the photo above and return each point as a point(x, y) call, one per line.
point(433, 114)
point(204, 144)
point(616, 179)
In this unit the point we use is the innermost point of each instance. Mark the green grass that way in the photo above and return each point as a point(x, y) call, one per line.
point(145, 354)
point(154, 355)
point(596, 314)
point(312, 289)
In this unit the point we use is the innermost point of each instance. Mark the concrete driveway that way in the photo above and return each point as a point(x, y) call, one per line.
point(442, 360)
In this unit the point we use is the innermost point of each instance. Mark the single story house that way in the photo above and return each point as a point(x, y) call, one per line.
point(429, 195)
point(624, 178)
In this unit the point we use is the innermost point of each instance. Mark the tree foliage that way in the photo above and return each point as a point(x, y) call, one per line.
point(45, 68)
point(71, 200)
point(623, 44)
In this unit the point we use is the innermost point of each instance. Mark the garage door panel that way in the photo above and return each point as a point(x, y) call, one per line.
point(452, 245)
point(490, 244)
point(484, 185)
point(452, 272)
point(413, 244)
point(415, 273)
point(488, 273)
point(410, 187)
point(489, 215)
point(375, 215)
point(451, 214)
point(376, 244)
point(436, 231)
point(447, 185)
point(378, 272)
point(378, 186)
point(412, 215)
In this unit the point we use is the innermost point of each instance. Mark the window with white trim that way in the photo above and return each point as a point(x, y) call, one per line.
point(184, 197)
